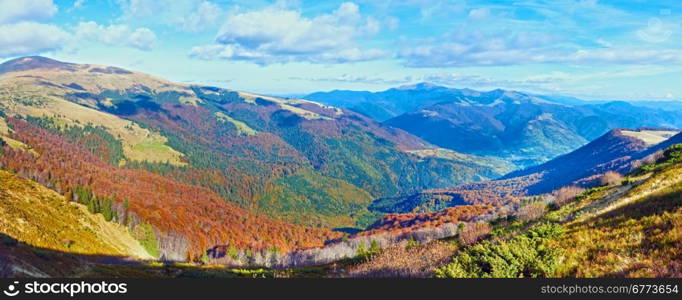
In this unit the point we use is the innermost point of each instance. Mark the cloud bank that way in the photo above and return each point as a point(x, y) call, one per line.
point(280, 35)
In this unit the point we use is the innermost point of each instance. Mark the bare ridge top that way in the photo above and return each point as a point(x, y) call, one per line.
point(33, 62)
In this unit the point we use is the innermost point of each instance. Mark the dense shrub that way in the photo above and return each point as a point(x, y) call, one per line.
point(523, 256)
point(409, 222)
point(95, 139)
point(367, 253)
point(6, 270)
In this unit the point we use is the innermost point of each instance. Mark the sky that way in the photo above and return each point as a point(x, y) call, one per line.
point(592, 49)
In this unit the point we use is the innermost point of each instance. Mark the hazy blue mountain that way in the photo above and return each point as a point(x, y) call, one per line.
point(393, 102)
point(524, 128)
point(526, 131)
point(664, 105)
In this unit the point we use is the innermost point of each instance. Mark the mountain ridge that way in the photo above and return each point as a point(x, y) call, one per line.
point(296, 167)
point(525, 128)
point(614, 151)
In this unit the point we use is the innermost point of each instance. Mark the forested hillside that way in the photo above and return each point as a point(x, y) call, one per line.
point(295, 160)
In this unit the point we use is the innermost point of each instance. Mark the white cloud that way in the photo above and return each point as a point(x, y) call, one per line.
point(20, 32)
point(438, 8)
point(278, 34)
point(115, 35)
point(479, 13)
point(26, 10)
point(461, 80)
point(186, 15)
point(78, 3)
point(504, 48)
point(206, 16)
point(623, 56)
point(30, 38)
point(141, 8)
point(354, 78)
point(447, 79)
point(142, 38)
point(655, 31)
point(392, 23)
point(373, 26)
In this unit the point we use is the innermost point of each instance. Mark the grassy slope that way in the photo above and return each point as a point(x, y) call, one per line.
point(651, 137)
point(629, 230)
point(637, 234)
point(42, 218)
point(25, 99)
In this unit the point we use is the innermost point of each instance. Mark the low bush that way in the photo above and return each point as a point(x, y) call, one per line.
point(525, 255)
point(661, 159)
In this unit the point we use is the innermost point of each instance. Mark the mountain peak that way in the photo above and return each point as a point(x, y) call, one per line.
point(618, 104)
point(33, 62)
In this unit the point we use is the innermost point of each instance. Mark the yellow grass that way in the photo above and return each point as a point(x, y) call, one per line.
point(19, 145)
point(499, 165)
point(629, 232)
point(40, 217)
point(96, 82)
point(286, 105)
point(242, 128)
point(651, 137)
point(4, 129)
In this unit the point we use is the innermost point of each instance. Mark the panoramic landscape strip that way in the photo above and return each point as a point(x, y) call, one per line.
point(306, 139)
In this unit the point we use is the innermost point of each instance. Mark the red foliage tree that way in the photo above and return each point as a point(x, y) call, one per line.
point(176, 210)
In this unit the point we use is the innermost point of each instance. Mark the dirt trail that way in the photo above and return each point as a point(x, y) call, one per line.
point(649, 186)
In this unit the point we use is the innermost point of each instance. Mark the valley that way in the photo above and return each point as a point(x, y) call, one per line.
point(108, 172)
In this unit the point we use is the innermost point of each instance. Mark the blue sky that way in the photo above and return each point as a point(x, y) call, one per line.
point(593, 49)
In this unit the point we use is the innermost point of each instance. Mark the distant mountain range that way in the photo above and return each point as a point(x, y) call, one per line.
point(394, 102)
point(617, 151)
point(523, 128)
